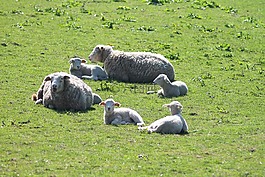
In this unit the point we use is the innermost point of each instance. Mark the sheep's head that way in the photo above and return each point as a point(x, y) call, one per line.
point(161, 79)
point(75, 63)
point(100, 53)
point(57, 81)
point(174, 107)
point(109, 105)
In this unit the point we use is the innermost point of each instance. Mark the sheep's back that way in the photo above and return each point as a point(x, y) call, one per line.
point(168, 125)
point(78, 95)
point(141, 67)
point(124, 113)
point(86, 69)
point(183, 88)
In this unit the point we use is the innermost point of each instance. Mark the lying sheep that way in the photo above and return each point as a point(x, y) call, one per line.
point(120, 116)
point(174, 124)
point(62, 91)
point(80, 69)
point(174, 89)
point(135, 67)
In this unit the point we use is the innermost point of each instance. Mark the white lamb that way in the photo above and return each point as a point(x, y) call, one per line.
point(135, 67)
point(174, 124)
point(62, 91)
point(170, 89)
point(120, 116)
point(79, 68)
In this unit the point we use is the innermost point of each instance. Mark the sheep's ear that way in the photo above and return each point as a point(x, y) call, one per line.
point(66, 77)
point(71, 61)
point(117, 104)
point(180, 106)
point(83, 60)
point(102, 103)
point(47, 78)
point(166, 105)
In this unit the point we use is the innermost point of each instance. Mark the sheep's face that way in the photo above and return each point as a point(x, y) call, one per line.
point(100, 53)
point(161, 79)
point(174, 107)
point(75, 63)
point(57, 82)
point(109, 105)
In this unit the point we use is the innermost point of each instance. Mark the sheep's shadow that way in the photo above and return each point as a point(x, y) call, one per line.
point(91, 109)
point(177, 134)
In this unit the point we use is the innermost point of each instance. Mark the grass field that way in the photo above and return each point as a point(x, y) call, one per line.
point(217, 48)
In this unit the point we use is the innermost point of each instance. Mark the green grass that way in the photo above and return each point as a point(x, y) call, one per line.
point(216, 47)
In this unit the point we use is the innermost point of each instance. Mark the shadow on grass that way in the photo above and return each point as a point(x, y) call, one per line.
point(74, 111)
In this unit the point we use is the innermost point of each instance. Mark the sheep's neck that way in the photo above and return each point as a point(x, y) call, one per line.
point(175, 112)
point(182, 120)
point(104, 56)
point(166, 85)
point(108, 114)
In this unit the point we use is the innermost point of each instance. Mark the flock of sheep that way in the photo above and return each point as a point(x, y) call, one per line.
point(63, 91)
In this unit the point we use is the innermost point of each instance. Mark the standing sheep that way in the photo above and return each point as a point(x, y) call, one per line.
point(174, 89)
point(135, 67)
point(120, 116)
point(174, 124)
point(62, 91)
point(80, 69)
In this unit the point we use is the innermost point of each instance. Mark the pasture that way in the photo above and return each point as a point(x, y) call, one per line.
point(216, 47)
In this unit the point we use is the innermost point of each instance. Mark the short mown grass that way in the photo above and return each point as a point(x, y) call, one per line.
point(216, 47)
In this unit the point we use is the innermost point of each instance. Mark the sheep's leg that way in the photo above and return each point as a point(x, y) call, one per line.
point(93, 77)
point(137, 119)
point(140, 124)
point(39, 101)
point(152, 129)
point(124, 122)
point(142, 128)
point(116, 121)
point(160, 93)
point(87, 77)
point(157, 129)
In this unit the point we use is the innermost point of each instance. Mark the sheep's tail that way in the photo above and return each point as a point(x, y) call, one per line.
point(34, 97)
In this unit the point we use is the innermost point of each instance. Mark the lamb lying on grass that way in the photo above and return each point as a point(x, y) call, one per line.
point(62, 91)
point(174, 124)
point(174, 89)
point(120, 116)
point(134, 67)
point(80, 69)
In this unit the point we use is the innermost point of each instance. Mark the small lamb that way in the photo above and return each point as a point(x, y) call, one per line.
point(79, 68)
point(170, 89)
point(120, 116)
point(174, 124)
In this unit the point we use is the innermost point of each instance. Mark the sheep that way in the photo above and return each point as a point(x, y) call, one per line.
point(173, 124)
point(62, 91)
point(134, 67)
point(79, 68)
point(119, 116)
point(170, 89)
